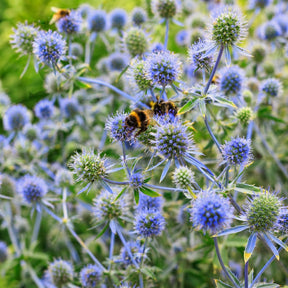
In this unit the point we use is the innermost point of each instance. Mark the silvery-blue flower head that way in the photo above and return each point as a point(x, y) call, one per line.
point(237, 151)
point(70, 24)
point(69, 107)
point(118, 18)
point(97, 21)
point(231, 80)
point(32, 188)
point(44, 109)
point(23, 38)
point(136, 251)
point(149, 223)
point(269, 30)
point(254, 4)
point(211, 212)
point(162, 68)
point(271, 87)
point(182, 38)
point(90, 276)
point(60, 272)
point(49, 47)
point(16, 117)
point(138, 16)
point(149, 203)
point(117, 61)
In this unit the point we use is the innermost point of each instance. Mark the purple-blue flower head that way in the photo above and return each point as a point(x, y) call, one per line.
point(16, 117)
point(97, 21)
point(138, 16)
point(211, 212)
point(136, 251)
point(32, 188)
point(162, 68)
point(70, 24)
point(118, 18)
point(90, 276)
point(254, 4)
point(165, 8)
point(136, 180)
point(149, 223)
point(117, 61)
point(271, 87)
point(44, 109)
point(69, 107)
point(49, 47)
point(237, 151)
point(231, 80)
point(182, 38)
point(157, 47)
point(149, 203)
point(60, 272)
point(269, 30)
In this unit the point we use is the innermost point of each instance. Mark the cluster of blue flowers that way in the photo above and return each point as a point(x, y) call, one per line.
point(131, 170)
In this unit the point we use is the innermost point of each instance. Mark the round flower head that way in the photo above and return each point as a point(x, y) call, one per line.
point(118, 131)
point(97, 21)
point(197, 21)
point(269, 31)
point(136, 41)
point(118, 18)
point(16, 117)
point(237, 151)
point(76, 50)
point(259, 53)
point(7, 185)
point(172, 140)
point(117, 61)
point(183, 177)
point(49, 47)
point(271, 87)
point(136, 75)
point(282, 22)
point(283, 222)
point(138, 16)
point(149, 223)
point(245, 115)
point(254, 4)
point(196, 58)
point(231, 80)
point(263, 212)
point(165, 8)
point(90, 276)
point(60, 272)
point(136, 180)
point(88, 166)
point(32, 188)
point(149, 203)
point(211, 212)
point(3, 252)
point(70, 24)
point(162, 68)
point(31, 132)
point(23, 38)
point(183, 38)
point(157, 47)
point(106, 209)
point(44, 109)
point(69, 107)
point(136, 251)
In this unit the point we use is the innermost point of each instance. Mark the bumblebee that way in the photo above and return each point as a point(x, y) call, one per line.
point(215, 79)
point(140, 119)
point(58, 14)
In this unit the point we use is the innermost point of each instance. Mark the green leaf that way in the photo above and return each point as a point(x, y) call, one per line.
point(267, 285)
point(82, 85)
point(233, 276)
point(136, 196)
point(122, 72)
point(188, 106)
point(102, 231)
point(149, 192)
point(247, 189)
point(148, 273)
point(202, 107)
point(225, 103)
point(119, 194)
point(220, 284)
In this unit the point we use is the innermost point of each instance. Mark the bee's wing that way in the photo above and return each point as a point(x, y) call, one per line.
point(55, 9)
point(53, 20)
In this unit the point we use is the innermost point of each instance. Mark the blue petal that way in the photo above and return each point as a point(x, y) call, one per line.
point(278, 241)
point(232, 230)
point(271, 245)
point(165, 170)
point(250, 246)
point(227, 56)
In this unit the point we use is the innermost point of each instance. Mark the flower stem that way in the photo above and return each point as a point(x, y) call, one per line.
point(112, 242)
point(214, 70)
point(211, 133)
point(36, 228)
point(124, 159)
point(246, 274)
point(222, 264)
point(166, 33)
point(115, 182)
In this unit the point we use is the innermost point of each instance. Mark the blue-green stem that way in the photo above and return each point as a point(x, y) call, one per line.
point(212, 134)
point(36, 228)
point(124, 158)
point(222, 263)
point(214, 70)
point(112, 242)
point(166, 33)
point(246, 274)
point(115, 182)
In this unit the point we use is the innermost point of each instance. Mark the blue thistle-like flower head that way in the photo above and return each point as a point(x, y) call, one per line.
point(32, 188)
point(136, 41)
point(97, 21)
point(136, 180)
point(231, 80)
point(3, 252)
point(31, 132)
point(254, 4)
point(237, 151)
point(211, 212)
point(69, 107)
point(157, 47)
point(283, 222)
point(90, 276)
point(106, 209)
point(44, 109)
point(271, 87)
point(149, 203)
point(269, 30)
point(138, 16)
point(70, 24)
point(16, 117)
point(149, 223)
point(165, 8)
point(118, 18)
point(23, 38)
point(49, 47)
point(183, 177)
point(172, 140)
point(60, 272)
point(182, 38)
point(118, 131)
point(117, 61)
point(136, 251)
point(196, 56)
point(162, 68)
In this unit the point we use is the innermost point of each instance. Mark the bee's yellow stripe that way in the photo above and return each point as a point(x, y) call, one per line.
point(134, 114)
